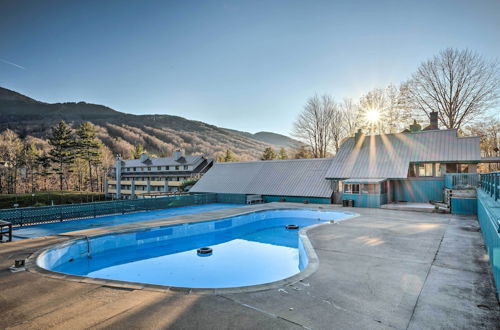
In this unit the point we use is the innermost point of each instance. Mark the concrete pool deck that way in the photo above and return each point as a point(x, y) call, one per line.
point(383, 269)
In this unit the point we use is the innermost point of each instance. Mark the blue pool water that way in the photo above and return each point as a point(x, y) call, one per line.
point(249, 249)
point(112, 220)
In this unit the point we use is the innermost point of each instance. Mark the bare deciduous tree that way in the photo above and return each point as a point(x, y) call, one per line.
point(319, 124)
point(459, 84)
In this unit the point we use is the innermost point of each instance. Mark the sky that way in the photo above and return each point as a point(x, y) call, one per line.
point(246, 65)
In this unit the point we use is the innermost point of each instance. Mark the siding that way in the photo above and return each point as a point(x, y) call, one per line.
point(418, 190)
point(366, 200)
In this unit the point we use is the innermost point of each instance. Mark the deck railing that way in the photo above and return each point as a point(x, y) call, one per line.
point(31, 215)
point(461, 180)
point(490, 183)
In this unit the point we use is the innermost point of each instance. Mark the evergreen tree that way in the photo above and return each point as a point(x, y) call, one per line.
point(282, 154)
point(228, 156)
point(88, 148)
point(43, 166)
point(62, 154)
point(138, 151)
point(268, 154)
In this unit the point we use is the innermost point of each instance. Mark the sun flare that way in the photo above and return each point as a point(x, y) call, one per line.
point(373, 116)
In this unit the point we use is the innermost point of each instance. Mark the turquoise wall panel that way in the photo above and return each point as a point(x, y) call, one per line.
point(366, 200)
point(294, 199)
point(488, 213)
point(232, 198)
point(418, 190)
point(463, 205)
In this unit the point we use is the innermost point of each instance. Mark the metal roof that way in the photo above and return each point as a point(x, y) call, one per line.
point(389, 155)
point(163, 161)
point(297, 177)
point(362, 180)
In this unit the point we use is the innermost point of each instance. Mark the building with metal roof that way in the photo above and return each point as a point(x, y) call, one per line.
point(286, 179)
point(149, 176)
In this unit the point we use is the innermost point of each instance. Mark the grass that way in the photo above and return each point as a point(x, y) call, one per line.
point(49, 198)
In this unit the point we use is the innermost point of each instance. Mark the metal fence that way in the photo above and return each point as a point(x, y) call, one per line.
point(461, 180)
point(488, 214)
point(32, 215)
point(490, 183)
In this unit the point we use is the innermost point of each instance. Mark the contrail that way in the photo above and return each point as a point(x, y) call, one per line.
point(13, 64)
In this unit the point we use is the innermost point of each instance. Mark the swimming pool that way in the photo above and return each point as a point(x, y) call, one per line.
point(54, 228)
point(247, 249)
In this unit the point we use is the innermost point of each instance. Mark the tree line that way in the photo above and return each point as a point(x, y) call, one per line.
point(460, 85)
point(72, 160)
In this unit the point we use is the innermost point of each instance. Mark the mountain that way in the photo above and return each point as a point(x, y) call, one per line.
point(159, 134)
point(270, 138)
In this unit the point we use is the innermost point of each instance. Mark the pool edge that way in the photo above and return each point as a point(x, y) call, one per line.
point(312, 266)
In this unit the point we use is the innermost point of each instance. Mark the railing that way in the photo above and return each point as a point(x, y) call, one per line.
point(490, 183)
point(461, 180)
point(32, 215)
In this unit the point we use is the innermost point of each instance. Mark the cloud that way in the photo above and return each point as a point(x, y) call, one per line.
point(13, 64)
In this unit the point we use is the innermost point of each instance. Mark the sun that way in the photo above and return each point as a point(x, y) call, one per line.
point(373, 116)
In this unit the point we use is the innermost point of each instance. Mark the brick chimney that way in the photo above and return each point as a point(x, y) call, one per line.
point(434, 120)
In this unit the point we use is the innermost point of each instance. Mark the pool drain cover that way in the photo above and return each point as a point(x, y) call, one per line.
point(204, 251)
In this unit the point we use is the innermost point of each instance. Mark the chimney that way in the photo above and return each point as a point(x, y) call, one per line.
point(357, 136)
point(177, 154)
point(434, 120)
point(144, 157)
point(415, 127)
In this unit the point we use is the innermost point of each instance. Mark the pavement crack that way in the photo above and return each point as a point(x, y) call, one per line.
point(264, 312)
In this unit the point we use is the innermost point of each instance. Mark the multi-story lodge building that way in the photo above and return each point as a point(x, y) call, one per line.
point(148, 176)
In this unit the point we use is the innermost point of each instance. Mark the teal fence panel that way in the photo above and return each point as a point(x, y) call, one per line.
point(465, 206)
point(31, 215)
point(461, 180)
point(366, 200)
point(295, 199)
point(488, 213)
point(232, 198)
point(418, 190)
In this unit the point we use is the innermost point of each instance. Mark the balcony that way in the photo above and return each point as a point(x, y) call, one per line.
point(461, 180)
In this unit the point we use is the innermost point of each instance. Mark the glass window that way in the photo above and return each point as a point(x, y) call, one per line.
point(351, 188)
point(451, 168)
point(412, 173)
point(166, 168)
point(464, 168)
point(134, 169)
point(159, 168)
point(186, 167)
point(149, 168)
point(372, 188)
point(438, 170)
point(383, 187)
point(425, 169)
point(177, 168)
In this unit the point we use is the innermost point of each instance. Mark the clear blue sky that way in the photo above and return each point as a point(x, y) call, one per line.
point(247, 65)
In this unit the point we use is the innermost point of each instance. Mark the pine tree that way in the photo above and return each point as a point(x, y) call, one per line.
point(268, 154)
point(228, 156)
point(302, 152)
point(138, 151)
point(282, 154)
point(62, 154)
point(88, 146)
point(43, 166)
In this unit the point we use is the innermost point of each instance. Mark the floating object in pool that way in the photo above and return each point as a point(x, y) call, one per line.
point(204, 251)
point(292, 227)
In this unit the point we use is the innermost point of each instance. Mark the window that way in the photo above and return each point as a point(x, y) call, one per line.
point(149, 168)
point(186, 167)
point(135, 169)
point(438, 170)
point(159, 168)
point(372, 188)
point(351, 188)
point(425, 169)
point(177, 168)
point(412, 173)
point(166, 168)
point(464, 168)
point(383, 187)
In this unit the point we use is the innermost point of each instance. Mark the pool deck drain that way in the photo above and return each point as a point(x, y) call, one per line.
point(383, 269)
